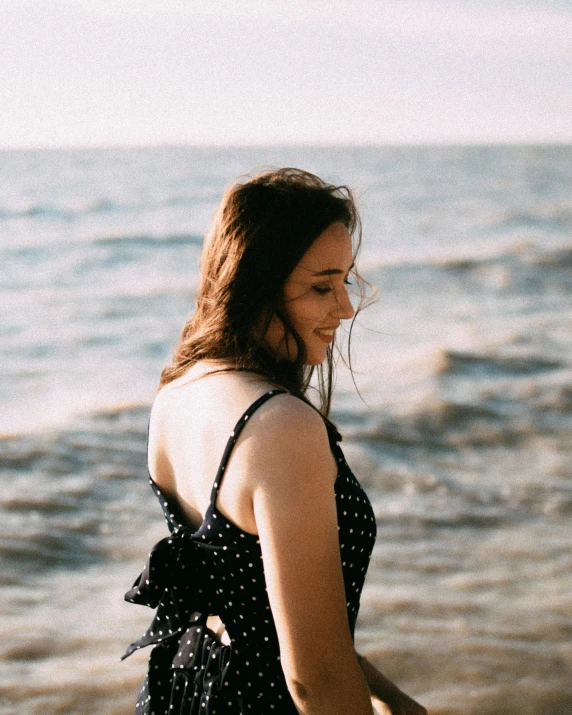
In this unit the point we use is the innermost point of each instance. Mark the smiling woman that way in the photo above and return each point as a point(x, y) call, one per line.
point(271, 533)
point(278, 252)
point(315, 297)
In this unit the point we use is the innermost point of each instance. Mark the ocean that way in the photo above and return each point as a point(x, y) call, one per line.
point(460, 433)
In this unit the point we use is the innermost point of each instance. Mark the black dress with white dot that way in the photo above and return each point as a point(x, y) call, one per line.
point(218, 570)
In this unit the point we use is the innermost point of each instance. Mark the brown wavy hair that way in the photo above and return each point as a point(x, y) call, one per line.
point(258, 235)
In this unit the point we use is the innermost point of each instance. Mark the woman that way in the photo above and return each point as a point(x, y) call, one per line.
point(257, 588)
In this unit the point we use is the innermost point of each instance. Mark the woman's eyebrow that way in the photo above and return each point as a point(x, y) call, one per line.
point(332, 271)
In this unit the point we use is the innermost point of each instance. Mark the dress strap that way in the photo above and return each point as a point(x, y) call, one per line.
point(234, 436)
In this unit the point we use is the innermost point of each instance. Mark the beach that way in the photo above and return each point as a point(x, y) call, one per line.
point(460, 434)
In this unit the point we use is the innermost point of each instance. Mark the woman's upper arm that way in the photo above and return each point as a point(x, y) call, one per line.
point(295, 512)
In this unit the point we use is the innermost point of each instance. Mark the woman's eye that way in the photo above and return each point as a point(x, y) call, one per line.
point(347, 282)
point(322, 290)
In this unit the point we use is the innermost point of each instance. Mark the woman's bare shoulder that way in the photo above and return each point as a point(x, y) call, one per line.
point(288, 441)
point(291, 417)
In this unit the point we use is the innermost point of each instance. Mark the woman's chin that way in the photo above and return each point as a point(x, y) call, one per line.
point(289, 354)
point(315, 360)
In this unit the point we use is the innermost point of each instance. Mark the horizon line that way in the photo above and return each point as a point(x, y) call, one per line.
point(295, 145)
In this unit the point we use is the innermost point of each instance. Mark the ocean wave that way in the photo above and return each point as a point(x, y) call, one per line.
point(557, 258)
point(518, 256)
point(64, 492)
point(466, 517)
point(72, 210)
point(35, 251)
point(518, 272)
point(444, 488)
point(442, 422)
point(192, 199)
point(453, 362)
point(477, 401)
point(35, 211)
point(526, 259)
point(150, 241)
point(555, 398)
point(553, 216)
point(66, 212)
point(46, 549)
point(444, 501)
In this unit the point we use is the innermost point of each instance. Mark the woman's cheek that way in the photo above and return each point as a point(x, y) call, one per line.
point(313, 309)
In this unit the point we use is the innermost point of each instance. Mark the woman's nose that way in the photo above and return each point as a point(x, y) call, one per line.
point(345, 309)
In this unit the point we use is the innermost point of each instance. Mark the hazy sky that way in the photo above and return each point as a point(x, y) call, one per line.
point(131, 72)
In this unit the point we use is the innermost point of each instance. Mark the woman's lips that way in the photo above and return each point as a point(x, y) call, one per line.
point(326, 335)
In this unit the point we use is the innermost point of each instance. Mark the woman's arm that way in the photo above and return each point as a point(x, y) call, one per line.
point(295, 513)
point(389, 699)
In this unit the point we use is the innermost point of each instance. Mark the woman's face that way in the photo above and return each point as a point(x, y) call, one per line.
point(315, 297)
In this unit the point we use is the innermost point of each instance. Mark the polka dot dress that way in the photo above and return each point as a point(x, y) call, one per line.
point(218, 570)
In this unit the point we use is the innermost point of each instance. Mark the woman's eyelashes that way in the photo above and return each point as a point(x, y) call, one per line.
point(328, 288)
point(322, 290)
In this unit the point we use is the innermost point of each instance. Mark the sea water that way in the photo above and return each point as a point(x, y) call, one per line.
point(461, 431)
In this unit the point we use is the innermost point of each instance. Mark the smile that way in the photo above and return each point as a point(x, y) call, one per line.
point(327, 335)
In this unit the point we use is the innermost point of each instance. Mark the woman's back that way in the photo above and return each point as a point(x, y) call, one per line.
point(213, 565)
point(190, 424)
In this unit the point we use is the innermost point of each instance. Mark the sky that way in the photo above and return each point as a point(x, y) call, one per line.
point(85, 73)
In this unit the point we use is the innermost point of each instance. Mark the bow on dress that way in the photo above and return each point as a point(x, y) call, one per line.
point(187, 667)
